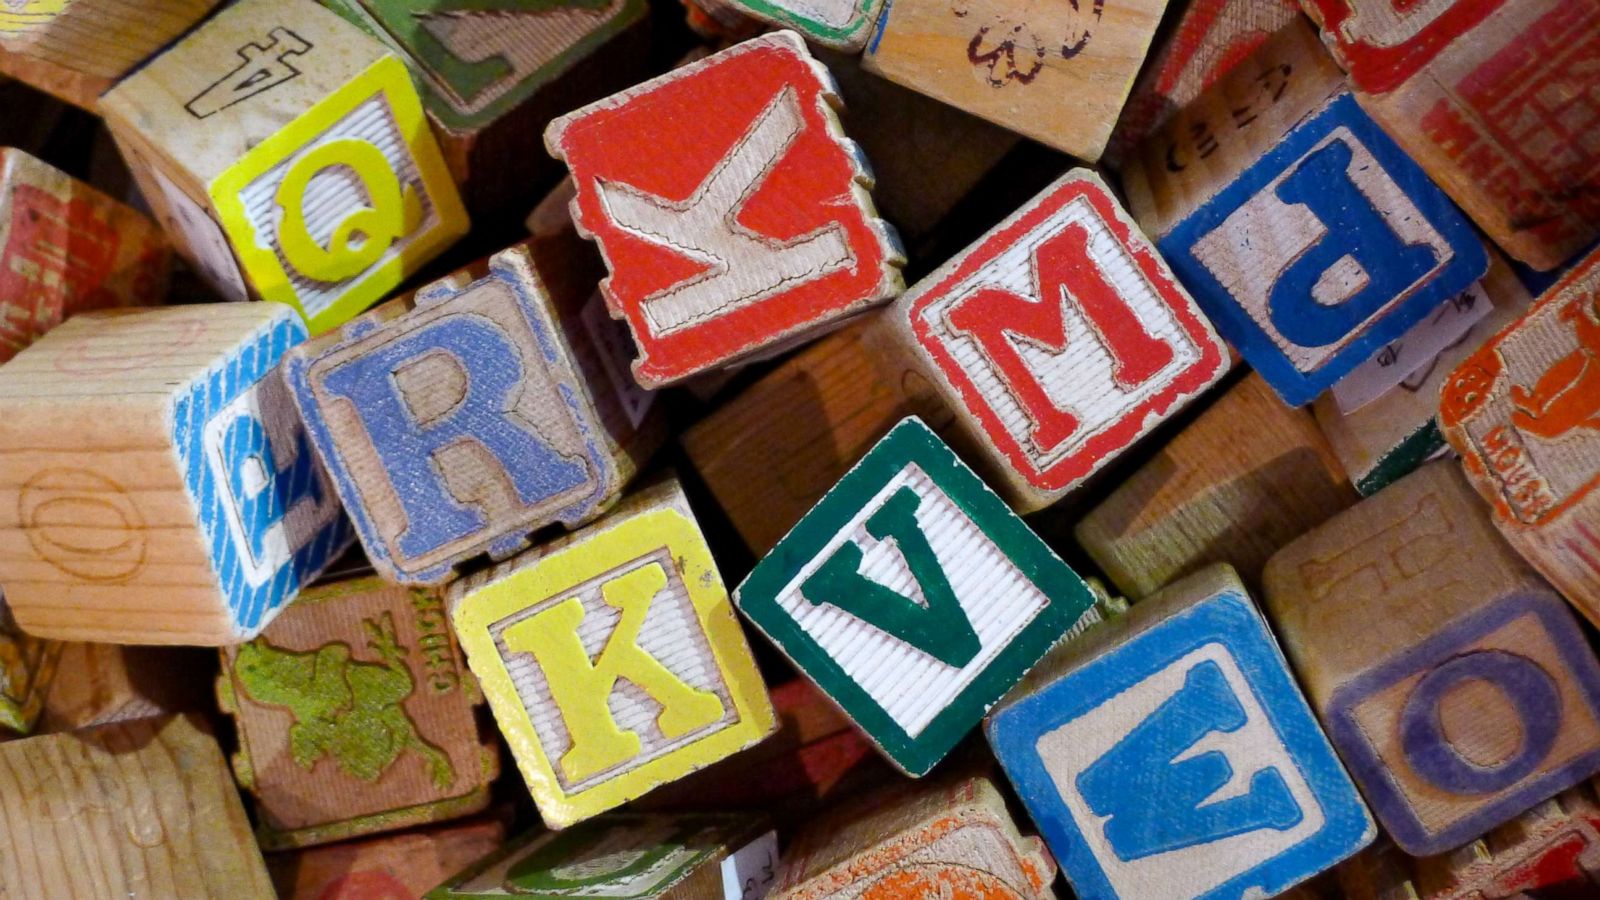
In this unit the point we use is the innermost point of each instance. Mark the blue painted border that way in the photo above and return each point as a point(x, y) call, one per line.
point(1239, 329)
point(1388, 800)
point(1230, 619)
point(242, 370)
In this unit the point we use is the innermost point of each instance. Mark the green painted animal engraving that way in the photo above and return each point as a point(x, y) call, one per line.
point(343, 707)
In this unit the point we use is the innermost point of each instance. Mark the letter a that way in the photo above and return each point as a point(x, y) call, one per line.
point(941, 630)
point(1156, 803)
point(581, 688)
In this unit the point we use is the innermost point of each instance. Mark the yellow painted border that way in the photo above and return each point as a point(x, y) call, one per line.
point(387, 76)
point(568, 568)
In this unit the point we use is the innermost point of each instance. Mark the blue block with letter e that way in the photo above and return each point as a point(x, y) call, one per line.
point(1183, 762)
point(1328, 247)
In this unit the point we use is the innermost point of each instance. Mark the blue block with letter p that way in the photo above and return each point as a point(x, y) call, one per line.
point(1170, 754)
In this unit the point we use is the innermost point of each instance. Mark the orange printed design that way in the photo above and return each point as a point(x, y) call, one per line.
point(1567, 396)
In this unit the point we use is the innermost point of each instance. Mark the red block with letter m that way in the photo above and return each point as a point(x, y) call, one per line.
point(732, 211)
point(1060, 338)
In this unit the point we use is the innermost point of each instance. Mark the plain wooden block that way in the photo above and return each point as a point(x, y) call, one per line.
point(356, 715)
point(1304, 232)
point(493, 73)
point(769, 453)
point(75, 49)
point(133, 809)
point(1209, 39)
point(1524, 413)
point(390, 867)
point(289, 158)
point(1057, 71)
point(1454, 682)
point(953, 838)
point(1246, 477)
point(97, 684)
point(815, 756)
point(66, 248)
point(688, 857)
point(732, 211)
point(1058, 340)
point(635, 597)
point(155, 484)
point(27, 669)
point(913, 597)
point(458, 421)
point(1389, 437)
point(1169, 753)
point(1496, 101)
point(1556, 844)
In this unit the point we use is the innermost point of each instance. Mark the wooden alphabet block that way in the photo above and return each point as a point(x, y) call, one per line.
point(97, 684)
point(913, 597)
point(952, 839)
point(1389, 437)
point(1454, 682)
point(732, 211)
point(27, 668)
point(1524, 413)
point(1246, 477)
point(1058, 340)
point(460, 420)
point(155, 484)
point(1495, 100)
point(1169, 753)
point(66, 248)
point(355, 715)
point(492, 73)
point(75, 49)
point(1211, 37)
point(1057, 72)
point(134, 809)
point(391, 867)
point(289, 156)
point(688, 857)
point(1308, 237)
point(632, 597)
point(840, 24)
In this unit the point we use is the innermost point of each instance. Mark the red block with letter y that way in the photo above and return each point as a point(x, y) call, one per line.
point(732, 211)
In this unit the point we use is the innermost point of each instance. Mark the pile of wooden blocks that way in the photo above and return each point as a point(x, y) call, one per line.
point(481, 448)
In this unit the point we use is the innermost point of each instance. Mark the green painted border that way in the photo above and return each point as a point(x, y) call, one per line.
point(1402, 460)
point(439, 106)
point(849, 37)
point(911, 441)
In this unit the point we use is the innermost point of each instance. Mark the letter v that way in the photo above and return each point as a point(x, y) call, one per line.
point(940, 630)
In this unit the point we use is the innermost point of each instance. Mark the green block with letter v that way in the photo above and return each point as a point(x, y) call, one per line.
point(913, 596)
point(473, 60)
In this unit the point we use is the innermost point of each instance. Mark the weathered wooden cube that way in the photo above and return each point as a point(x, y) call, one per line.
point(458, 421)
point(1306, 234)
point(75, 49)
point(66, 248)
point(685, 857)
point(1455, 683)
point(132, 809)
point(952, 838)
point(396, 866)
point(356, 715)
point(289, 157)
point(732, 211)
point(493, 73)
point(1496, 100)
point(632, 598)
point(913, 597)
point(155, 484)
point(1057, 71)
point(1169, 753)
point(1390, 436)
point(1246, 477)
point(1057, 340)
point(1524, 413)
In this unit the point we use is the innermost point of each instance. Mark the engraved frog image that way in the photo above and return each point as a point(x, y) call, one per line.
point(1007, 47)
point(344, 708)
